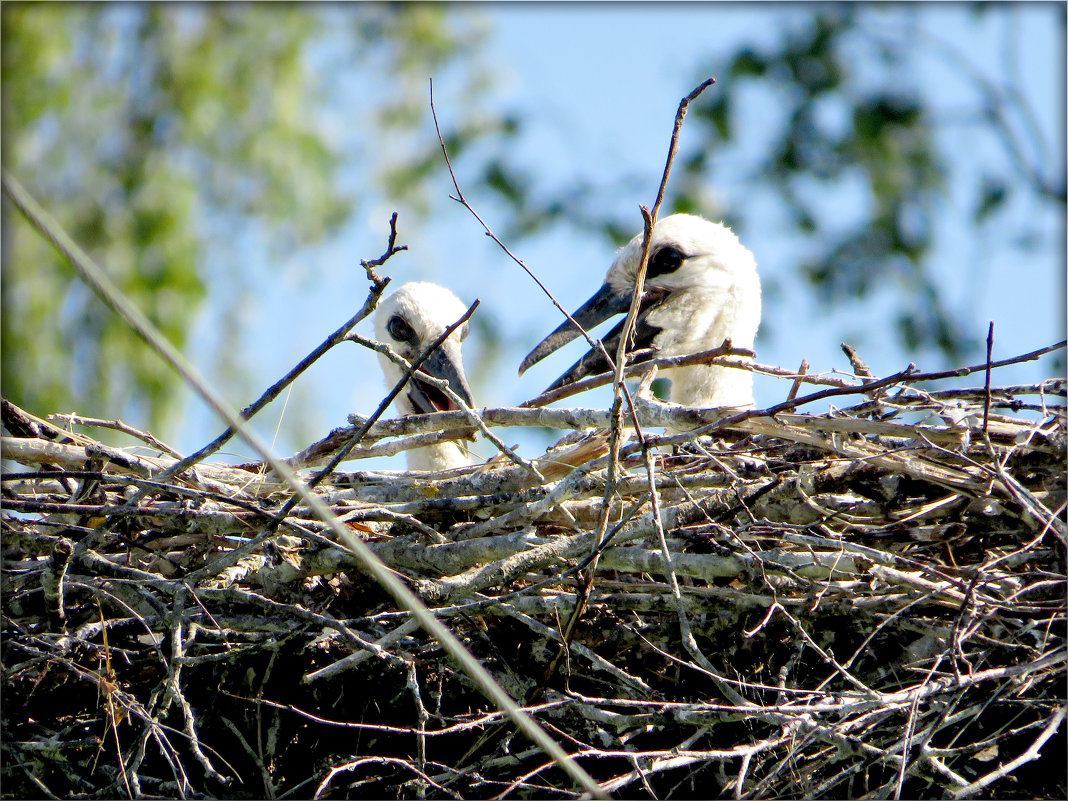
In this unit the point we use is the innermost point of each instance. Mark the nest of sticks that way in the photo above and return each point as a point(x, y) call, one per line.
point(868, 602)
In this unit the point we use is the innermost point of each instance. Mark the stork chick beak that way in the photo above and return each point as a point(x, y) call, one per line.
point(605, 303)
point(443, 363)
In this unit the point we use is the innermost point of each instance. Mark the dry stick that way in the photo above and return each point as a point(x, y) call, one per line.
point(117, 425)
point(108, 686)
point(45, 792)
point(910, 728)
point(174, 689)
point(840, 386)
point(1032, 753)
point(680, 605)
point(963, 371)
point(907, 376)
point(231, 557)
point(986, 387)
point(795, 388)
point(314, 453)
point(459, 198)
point(596, 345)
point(771, 411)
point(860, 367)
point(461, 405)
point(616, 417)
point(482, 721)
point(378, 286)
point(719, 355)
point(156, 731)
point(376, 648)
point(649, 219)
point(353, 764)
point(690, 644)
point(105, 289)
point(422, 716)
point(265, 775)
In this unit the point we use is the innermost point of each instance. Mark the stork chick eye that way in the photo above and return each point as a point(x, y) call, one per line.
point(400, 330)
point(666, 260)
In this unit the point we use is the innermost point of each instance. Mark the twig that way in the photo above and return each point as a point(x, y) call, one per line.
point(108, 292)
point(860, 367)
point(616, 418)
point(117, 425)
point(276, 389)
point(718, 356)
point(801, 371)
point(392, 248)
point(845, 387)
point(459, 198)
point(1033, 752)
point(986, 384)
point(444, 386)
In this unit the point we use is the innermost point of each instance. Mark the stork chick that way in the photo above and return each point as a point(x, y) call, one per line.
point(409, 320)
point(701, 286)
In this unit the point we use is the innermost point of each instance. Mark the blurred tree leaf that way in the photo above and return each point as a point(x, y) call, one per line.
point(993, 193)
point(158, 133)
point(748, 64)
point(836, 127)
point(888, 142)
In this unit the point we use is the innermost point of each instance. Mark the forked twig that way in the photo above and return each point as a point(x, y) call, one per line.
point(115, 299)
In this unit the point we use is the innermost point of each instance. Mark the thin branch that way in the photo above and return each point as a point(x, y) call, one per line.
point(1032, 753)
point(117, 425)
point(459, 198)
point(986, 385)
point(136, 319)
point(718, 356)
point(459, 402)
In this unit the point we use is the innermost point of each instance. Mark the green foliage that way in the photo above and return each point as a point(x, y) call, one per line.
point(157, 135)
point(132, 138)
point(834, 127)
point(888, 143)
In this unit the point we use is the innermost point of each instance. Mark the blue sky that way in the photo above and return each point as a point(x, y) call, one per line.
point(598, 86)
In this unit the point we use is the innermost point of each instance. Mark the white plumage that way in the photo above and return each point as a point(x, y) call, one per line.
point(409, 320)
point(701, 287)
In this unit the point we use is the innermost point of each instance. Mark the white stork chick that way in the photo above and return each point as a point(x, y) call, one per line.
point(409, 320)
point(701, 286)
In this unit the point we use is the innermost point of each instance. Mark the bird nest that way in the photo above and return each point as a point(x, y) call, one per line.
point(863, 602)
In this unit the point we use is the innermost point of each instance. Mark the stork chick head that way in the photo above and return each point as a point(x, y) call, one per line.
point(701, 286)
point(686, 251)
point(409, 320)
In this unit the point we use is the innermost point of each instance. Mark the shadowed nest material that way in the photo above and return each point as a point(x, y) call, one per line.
point(856, 603)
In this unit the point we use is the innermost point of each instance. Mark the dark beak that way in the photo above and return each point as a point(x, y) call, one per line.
point(444, 363)
point(604, 304)
point(597, 309)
